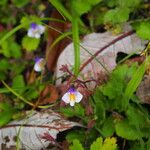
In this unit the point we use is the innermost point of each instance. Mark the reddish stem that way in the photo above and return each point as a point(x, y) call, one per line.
point(106, 46)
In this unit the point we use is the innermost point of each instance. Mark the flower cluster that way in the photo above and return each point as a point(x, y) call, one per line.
point(35, 30)
point(39, 64)
point(72, 96)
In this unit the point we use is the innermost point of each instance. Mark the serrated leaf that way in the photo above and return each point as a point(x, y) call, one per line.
point(30, 44)
point(76, 145)
point(83, 6)
point(135, 116)
point(117, 80)
point(117, 15)
point(97, 145)
point(124, 130)
point(109, 144)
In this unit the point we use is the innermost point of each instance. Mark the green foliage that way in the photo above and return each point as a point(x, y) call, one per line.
point(107, 144)
point(76, 145)
point(77, 110)
point(18, 84)
point(20, 3)
point(3, 2)
point(108, 127)
point(143, 29)
point(127, 131)
point(134, 82)
point(118, 79)
point(117, 15)
point(10, 48)
point(6, 113)
point(30, 44)
point(99, 144)
point(76, 134)
point(83, 6)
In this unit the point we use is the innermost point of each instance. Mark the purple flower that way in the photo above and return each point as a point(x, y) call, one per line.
point(72, 96)
point(35, 30)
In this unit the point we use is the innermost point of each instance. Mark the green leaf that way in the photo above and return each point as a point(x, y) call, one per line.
point(11, 49)
point(77, 134)
point(15, 50)
point(99, 111)
point(31, 93)
point(124, 130)
point(97, 145)
point(30, 44)
point(117, 15)
point(108, 127)
point(135, 116)
point(18, 84)
point(76, 145)
point(129, 3)
point(4, 64)
point(20, 3)
point(3, 2)
point(78, 110)
point(83, 6)
point(5, 117)
point(143, 29)
point(134, 82)
point(108, 144)
point(6, 113)
point(117, 80)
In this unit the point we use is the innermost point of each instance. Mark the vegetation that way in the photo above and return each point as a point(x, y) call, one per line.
point(113, 115)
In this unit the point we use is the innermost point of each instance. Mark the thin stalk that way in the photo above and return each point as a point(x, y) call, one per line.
point(76, 41)
point(16, 94)
point(11, 33)
point(62, 10)
point(22, 98)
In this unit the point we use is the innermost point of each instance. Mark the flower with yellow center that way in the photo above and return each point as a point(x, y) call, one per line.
point(72, 96)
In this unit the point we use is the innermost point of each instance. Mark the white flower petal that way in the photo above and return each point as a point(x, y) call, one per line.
point(30, 33)
point(65, 98)
point(41, 29)
point(79, 97)
point(72, 103)
point(37, 35)
point(37, 67)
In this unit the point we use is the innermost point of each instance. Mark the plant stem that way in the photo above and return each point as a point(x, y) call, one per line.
point(76, 41)
point(11, 33)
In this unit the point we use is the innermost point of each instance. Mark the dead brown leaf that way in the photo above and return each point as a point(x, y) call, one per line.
point(48, 95)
